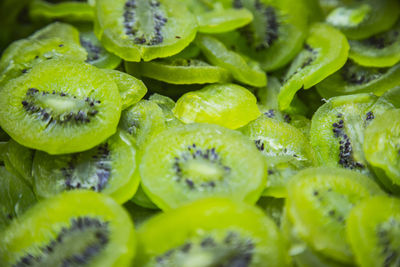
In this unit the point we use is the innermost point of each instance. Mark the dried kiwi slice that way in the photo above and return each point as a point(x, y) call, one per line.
point(318, 204)
point(362, 19)
point(97, 55)
point(144, 29)
point(276, 33)
point(325, 52)
point(167, 105)
point(70, 10)
point(243, 70)
point(373, 230)
point(382, 148)
point(130, 89)
point(211, 232)
point(381, 50)
point(79, 228)
point(62, 114)
point(353, 79)
point(337, 130)
point(181, 71)
point(228, 105)
point(16, 197)
point(285, 149)
point(108, 168)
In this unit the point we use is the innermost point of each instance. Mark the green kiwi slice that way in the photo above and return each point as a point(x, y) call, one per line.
point(72, 10)
point(324, 53)
point(242, 69)
point(79, 228)
point(107, 168)
point(201, 160)
point(373, 229)
point(285, 149)
point(135, 30)
point(182, 71)
point(142, 200)
point(353, 79)
point(382, 148)
point(167, 105)
point(276, 33)
point(273, 207)
point(16, 197)
point(130, 89)
point(318, 204)
point(228, 105)
point(62, 114)
point(362, 19)
point(57, 40)
point(211, 232)
point(381, 50)
point(337, 130)
point(97, 55)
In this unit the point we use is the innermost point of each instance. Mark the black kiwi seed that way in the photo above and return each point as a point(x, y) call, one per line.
point(94, 226)
point(369, 116)
point(270, 113)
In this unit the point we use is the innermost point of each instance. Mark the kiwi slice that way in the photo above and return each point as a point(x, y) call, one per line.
point(72, 10)
point(213, 17)
point(242, 69)
point(380, 50)
point(318, 204)
point(16, 197)
point(324, 53)
point(130, 89)
point(142, 200)
point(285, 149)
point(382, 148)
point(219, 233)
point(97, 55)
point(362, 19)
point(228, 105)
point(139, 214)
point(167, 105)
point(57, 40)
point(353, 79)
point(337, 130)
point(201, 160)
point(62, 114)
point(108, 168)
point(181, 71)
point(273, 207)
point(276, 33)
point(79, 228)
point(373, 229)
point(149, 29)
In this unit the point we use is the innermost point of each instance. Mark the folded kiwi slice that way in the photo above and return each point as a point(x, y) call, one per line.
point(382, 148)
point(285, 149)
point(353, 79)
point(149, 29)
point(62, 113)
point(373, 230)
point(362, 19)
point(242, 69)
point(107, 168)
point(318, 205)
point(201, 160)
point(79, 228)
point(69, 10)
point(228, 105)
point(324, 53)
point(219, 233)
point(182, 71)
point(16, 197)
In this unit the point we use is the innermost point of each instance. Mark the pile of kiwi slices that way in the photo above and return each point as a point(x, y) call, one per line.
point(199, 133)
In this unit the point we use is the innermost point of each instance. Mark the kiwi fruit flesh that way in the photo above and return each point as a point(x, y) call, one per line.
point(144, 29)
point(107, 168)
point(373, 231)
point(228, 105)
point(219, 233)
point(74, 228)
point(79, 113)
point(318, 204)
point(61, 10)
point(201, 160)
